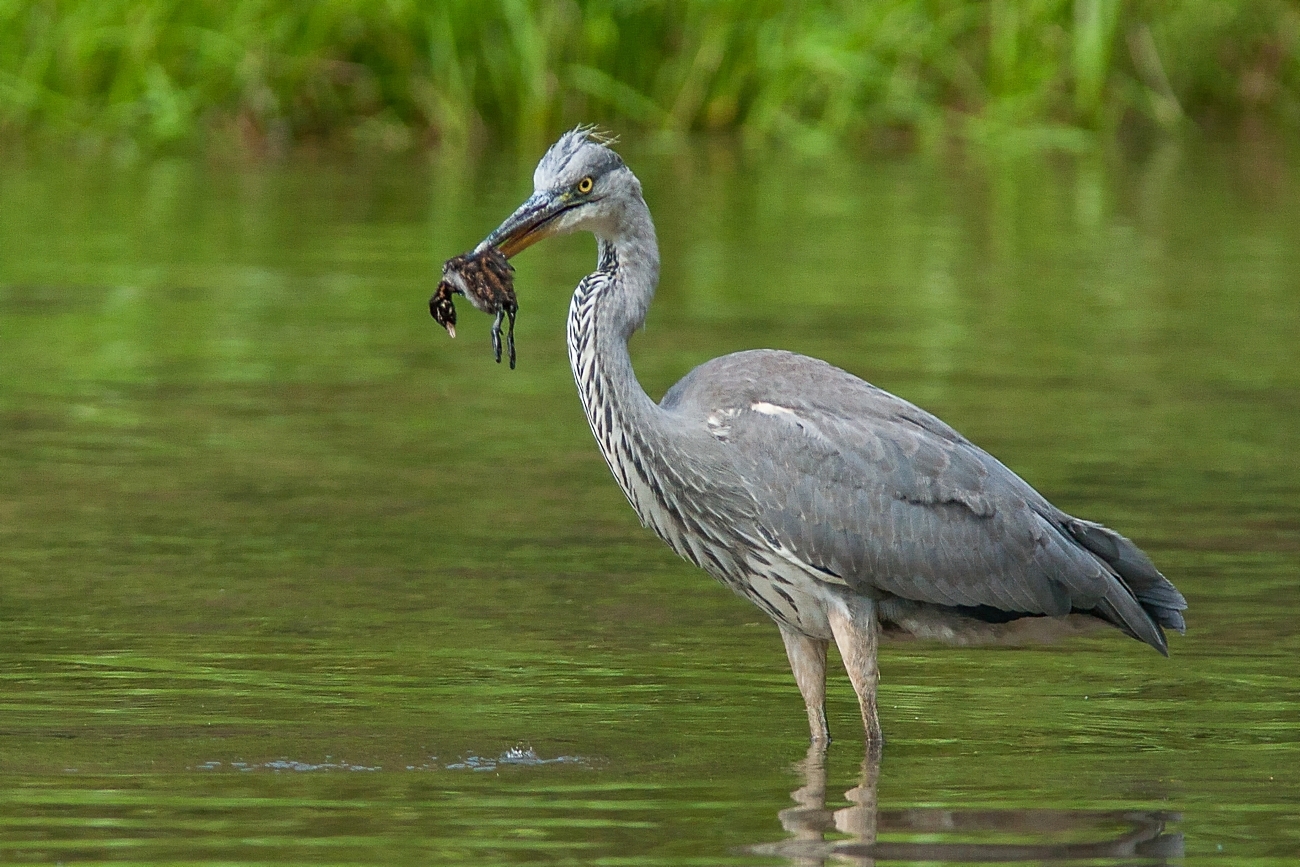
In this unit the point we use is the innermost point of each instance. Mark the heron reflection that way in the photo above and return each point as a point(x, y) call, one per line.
point(860, 833)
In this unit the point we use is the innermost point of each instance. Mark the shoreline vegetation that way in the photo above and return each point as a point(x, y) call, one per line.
point(271, 75)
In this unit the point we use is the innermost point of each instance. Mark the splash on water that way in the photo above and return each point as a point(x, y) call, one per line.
point(517, 755)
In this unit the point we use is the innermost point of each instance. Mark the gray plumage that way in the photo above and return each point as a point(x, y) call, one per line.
point(836, 507)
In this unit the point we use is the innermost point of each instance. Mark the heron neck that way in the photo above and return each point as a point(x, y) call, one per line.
point(607, 307)
point(604, 318)
point(630, 256)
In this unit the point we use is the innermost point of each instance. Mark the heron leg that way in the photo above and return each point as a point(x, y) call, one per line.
point(808, 662)
point(856, 629)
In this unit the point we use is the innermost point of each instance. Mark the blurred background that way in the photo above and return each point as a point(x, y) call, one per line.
point(289, 576)
point(400, 74)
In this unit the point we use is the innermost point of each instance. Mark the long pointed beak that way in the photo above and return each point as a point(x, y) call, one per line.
point(532, 222)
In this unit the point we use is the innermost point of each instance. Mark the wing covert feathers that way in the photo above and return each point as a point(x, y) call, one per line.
point(862, 485)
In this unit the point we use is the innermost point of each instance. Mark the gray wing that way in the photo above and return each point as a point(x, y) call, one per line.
point(880, 495)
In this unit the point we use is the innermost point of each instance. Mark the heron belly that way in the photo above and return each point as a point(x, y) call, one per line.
point(785, 593)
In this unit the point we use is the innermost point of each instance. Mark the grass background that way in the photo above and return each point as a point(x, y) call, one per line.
point(401, 74)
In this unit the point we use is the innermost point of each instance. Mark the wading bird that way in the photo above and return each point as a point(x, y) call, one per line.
point(837, 508)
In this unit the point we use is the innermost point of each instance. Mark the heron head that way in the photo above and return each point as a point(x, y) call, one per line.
point(579, 184)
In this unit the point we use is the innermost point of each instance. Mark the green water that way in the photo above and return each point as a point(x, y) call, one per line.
point(286, 575)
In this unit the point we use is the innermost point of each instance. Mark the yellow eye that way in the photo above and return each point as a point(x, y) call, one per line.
point(585, 185)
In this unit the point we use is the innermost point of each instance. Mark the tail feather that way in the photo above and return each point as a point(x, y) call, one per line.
point(1158, 597)
point(1120, 607)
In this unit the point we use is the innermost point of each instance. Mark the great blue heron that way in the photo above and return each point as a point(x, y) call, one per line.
point(837, 508)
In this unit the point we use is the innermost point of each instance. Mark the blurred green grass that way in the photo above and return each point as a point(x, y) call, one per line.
point(402, 74)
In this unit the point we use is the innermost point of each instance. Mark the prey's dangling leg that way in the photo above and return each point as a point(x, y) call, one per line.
point(496, 336)
point(808, 662)
point(856, 629)
point(510, 336)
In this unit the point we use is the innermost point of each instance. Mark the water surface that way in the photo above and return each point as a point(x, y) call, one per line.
point(286, 575)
